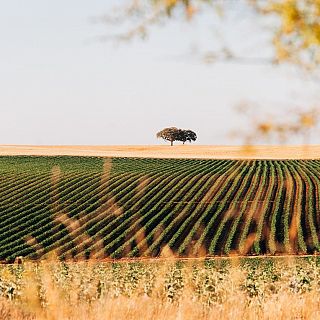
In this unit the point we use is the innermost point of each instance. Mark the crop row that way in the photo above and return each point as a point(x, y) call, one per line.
point(125, 207)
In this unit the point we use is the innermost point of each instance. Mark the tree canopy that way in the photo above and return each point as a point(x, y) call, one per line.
point(186, 135)
point(174, 134)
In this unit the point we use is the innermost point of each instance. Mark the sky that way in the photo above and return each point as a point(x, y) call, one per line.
point(59, 84)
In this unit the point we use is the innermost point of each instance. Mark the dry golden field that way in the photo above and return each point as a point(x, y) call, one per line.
point(165, 151)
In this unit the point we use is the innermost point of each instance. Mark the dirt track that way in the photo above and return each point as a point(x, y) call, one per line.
point(164, 151)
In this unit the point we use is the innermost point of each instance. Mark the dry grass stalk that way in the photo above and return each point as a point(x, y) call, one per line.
point(46, 297)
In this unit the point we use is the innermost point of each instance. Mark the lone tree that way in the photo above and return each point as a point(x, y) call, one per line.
point(170, 134)
point(174, 134)
point(187, 135)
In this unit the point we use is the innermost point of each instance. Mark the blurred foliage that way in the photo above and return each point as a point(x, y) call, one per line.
point(280, 128)
point(296, 29)
point(295, 37)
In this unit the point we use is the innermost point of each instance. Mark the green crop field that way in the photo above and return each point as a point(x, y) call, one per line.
point(95, 207)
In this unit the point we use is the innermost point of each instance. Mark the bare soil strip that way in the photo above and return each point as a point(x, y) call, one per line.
point(165, 151)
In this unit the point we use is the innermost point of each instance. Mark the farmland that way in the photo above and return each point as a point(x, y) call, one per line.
point(94, 207)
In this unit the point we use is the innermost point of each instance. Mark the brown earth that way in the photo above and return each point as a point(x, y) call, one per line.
point(165, 151)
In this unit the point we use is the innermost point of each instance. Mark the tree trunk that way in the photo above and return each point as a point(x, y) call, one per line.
point(171, 142)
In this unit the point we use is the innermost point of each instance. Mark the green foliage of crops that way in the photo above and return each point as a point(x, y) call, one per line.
point(81, 207)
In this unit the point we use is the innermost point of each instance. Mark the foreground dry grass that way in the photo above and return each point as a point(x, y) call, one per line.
point(177, 151)
point(283, 307)
point(284, 289)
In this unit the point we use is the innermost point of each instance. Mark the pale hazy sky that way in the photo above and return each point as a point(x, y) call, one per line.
point(58, 86)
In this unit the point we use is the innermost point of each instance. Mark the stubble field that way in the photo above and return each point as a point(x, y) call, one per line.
point(165, 151)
